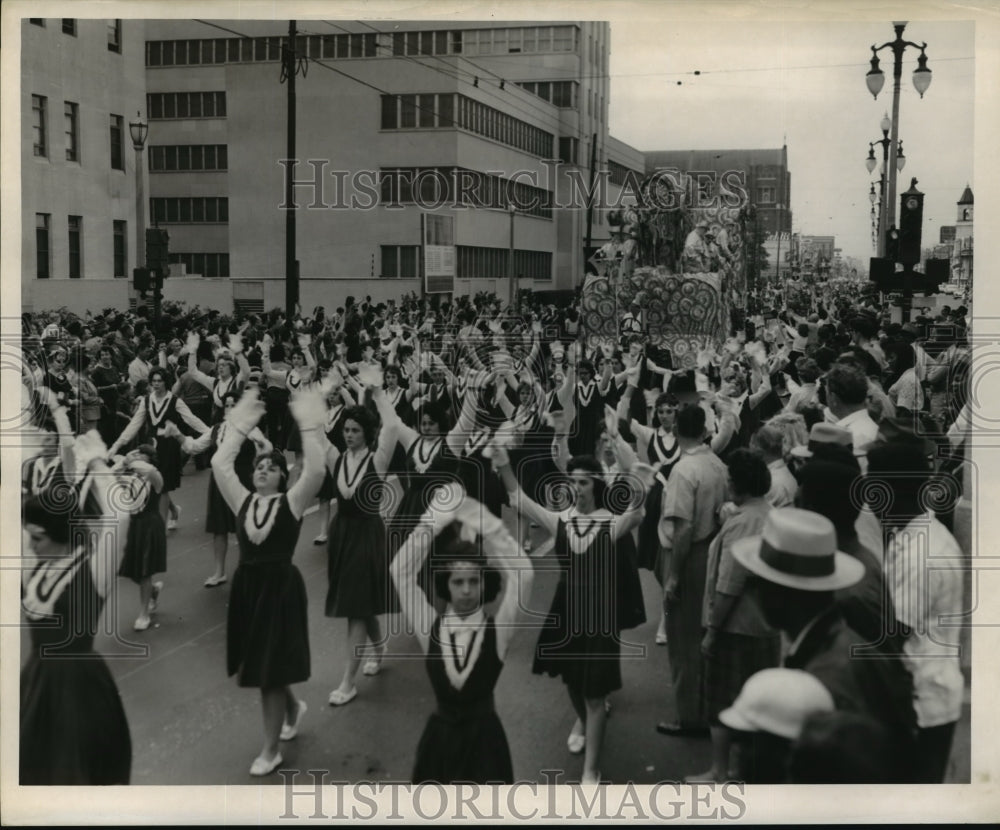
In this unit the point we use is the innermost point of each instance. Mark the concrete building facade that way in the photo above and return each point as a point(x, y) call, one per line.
point(82, 82)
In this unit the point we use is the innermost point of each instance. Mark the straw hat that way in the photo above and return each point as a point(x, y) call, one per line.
point(798, 549)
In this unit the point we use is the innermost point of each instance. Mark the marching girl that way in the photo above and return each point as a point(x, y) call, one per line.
point(579, 640)
point(220, 520)
point(158, 408)
point(146, 542)
point(358, 563)
point(338, 400)
point(73, 729)
point(589, 398)
point(227, 380)
point(295, 379)
point(267, 630)
point(465, 646)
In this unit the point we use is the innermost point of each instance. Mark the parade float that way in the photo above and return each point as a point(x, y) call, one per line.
point(679, 253)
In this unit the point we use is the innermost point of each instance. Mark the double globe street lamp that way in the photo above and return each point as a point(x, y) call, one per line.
point(870, 164)
point(875, 80)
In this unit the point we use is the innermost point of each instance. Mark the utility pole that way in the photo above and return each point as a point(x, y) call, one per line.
point(590, 201)
point(288, 70)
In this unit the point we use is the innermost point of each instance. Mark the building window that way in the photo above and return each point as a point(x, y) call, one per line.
point(569, 149)
point(117, 147)
point(188, 210)
point(74, 225)
point(212, 265)
point(163, 105)
point(72, 131)
point(43, 250)
point(119, 247)
point(765, 195)
point(400, 261)
point(115, 36)
point(475, 262)
point(69, 26)
point(39, 118)
point(37, 21)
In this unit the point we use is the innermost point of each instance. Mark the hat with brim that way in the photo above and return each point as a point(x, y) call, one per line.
point(798, 549)
point(823, 433)
point(702, 224)
point(777, 701)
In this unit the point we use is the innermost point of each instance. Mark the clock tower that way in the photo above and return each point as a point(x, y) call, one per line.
point(911, 216)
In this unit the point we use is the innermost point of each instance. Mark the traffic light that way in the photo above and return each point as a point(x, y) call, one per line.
point(157, 254)
point(140, 279)
point(911, 216)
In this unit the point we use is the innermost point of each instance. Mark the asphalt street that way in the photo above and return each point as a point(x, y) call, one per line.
point(192, 725)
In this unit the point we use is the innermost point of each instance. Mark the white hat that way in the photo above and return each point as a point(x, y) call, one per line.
point(798, 549)
point(777, 701)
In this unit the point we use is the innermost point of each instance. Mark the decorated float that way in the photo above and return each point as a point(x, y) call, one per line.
point(680, 255)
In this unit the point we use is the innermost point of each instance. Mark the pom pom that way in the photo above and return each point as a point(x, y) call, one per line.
point(369, 375)
point(308, 407)
point(87, 448)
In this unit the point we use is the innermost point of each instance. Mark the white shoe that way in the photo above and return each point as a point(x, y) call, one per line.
point(320, 540)
point(171, 523)
point(261, 766)
point(372, 666)
point(141, 624)
point(290, 730)
point(154, 600)
point(576, 743)
point(339, 698)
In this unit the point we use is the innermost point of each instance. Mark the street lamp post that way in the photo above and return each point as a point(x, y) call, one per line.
point(512, 300)
point(875, 79)
point(870, 163)
point(138, 131)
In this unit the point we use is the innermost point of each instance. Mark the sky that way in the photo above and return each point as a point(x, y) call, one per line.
point(803, 84)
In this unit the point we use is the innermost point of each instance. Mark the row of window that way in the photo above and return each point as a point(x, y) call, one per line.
point(186, 105)
point(448, 110)
point(171, 157)
point(71, 132)
point(74, 230)
point(69, 28)
point(189, 209)
point(471, 262)
point(207, 265)
point(440, 186)
point(197, 52)
point(561, 93)
point(256, 49)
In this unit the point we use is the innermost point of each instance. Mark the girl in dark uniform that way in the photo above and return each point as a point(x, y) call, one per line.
point(580, 640)
point(73, 729)
point(267, 631)
point(338, 400)
point(146, 543)
point(358, 563)
point(220, 521)
point(465, 646)
point(153, 413)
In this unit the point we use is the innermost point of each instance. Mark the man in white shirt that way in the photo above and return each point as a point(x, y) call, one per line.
point(847, 402)
point(139, 368)
point(769, 442)
point(923, 569)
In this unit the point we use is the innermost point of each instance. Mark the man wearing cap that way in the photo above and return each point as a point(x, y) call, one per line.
point(696, 489)
point(798, 568)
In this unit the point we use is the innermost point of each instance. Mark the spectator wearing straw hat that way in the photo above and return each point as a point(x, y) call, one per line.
point(799, 569)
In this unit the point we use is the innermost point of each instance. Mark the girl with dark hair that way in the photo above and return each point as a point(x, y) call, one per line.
point(338, 400)
point(358, 559)
point(153, 413)
point(465, 646)
point(73, 729)
point(267, 629)
point(295, 378)
point(227, 379)
point(146, 544)
point(274, 381)
point(579, 640)
point(220, 520)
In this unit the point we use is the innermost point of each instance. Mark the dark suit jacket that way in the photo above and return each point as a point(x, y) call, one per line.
point(875, 685)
